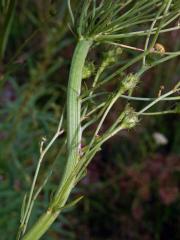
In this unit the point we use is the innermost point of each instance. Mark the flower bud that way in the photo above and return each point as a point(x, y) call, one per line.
point(129, 82)
point(88, 70)
point(159, 48)
point(130, 118)
point(110, 57)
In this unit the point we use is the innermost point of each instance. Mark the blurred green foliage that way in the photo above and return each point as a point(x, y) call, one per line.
point(36, 46)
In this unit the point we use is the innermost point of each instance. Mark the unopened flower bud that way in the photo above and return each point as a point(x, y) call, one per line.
point(129, 82)
point(159, 48)
point(111, 57)
point(88, 70)
point(131, 118)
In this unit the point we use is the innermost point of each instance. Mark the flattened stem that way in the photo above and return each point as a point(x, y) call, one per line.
point(74, 104)
point(73, 138)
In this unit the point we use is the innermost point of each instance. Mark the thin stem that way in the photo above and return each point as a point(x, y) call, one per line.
point(159, 113)
point(140, 49)
point(7, 27)
point(93, 111)
point(134, 34)
point(157, 100)
point(111, 103)
point(42, 154)
point(150, 30)
point(149, 99)
point(70, 11)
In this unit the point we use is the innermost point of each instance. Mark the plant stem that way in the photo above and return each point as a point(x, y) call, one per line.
point(41, 226)
point(73, 117)
point(73, 142)
point(7, 27)
point(74, 104)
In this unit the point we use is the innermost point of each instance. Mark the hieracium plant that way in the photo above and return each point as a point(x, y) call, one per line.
point(111, 24)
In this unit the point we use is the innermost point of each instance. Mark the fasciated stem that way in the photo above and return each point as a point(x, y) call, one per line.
point(74, 104)
point(73, 142)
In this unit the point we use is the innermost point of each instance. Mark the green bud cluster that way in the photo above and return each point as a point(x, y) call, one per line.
point(88, 70)
point(130, 119)
point(110, 57)
point(129, 82)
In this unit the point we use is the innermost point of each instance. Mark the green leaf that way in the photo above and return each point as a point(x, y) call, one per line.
point(23, 207)
point(5, 31)
point(73, 203)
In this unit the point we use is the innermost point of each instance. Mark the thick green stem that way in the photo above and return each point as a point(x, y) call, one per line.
point(41, 226)
point(73, 142)
point(74, 105)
